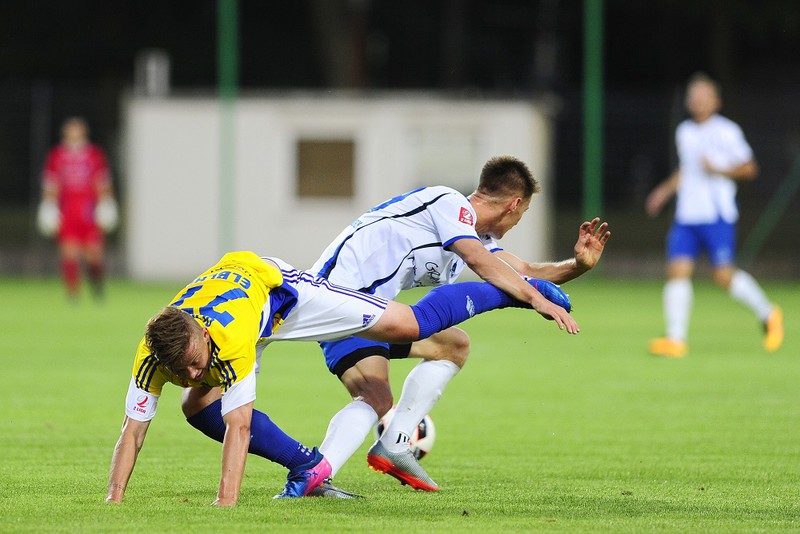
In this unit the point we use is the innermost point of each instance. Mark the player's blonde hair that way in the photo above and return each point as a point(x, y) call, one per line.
point(167, 334)
point(506, 176)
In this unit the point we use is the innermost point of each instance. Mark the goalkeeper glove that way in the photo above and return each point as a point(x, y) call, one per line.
point(48, 218)
point(106, 215)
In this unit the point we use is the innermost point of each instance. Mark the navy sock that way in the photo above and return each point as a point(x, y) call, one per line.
point(266, 438)
point(445, 306)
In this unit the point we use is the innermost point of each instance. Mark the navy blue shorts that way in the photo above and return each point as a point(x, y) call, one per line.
point(343, 354)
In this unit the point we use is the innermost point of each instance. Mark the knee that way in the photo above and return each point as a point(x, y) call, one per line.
point(383, 405)
point(377, 394)
point(680, 269)
point(722, 278)
point(194, 400)
point(189, 409)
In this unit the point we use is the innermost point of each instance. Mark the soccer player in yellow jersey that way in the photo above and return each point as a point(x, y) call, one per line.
point(210, 338)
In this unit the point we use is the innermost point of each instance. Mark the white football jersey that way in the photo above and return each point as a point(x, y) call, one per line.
point(704, 198)
point(402, 243)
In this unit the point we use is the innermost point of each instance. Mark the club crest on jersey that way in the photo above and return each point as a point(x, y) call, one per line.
point(466, 217)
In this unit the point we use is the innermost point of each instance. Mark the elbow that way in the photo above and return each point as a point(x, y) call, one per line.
point(471, 261)
point(240, 429)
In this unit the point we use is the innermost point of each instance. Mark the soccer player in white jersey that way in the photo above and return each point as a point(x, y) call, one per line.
point(713, 156)
point(210, 338)
point(426, 238)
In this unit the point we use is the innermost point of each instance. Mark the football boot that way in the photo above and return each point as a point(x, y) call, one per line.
point(304, 478)
point(667, 347)
point(327, 489)
point(773, 330)
point(401, 465)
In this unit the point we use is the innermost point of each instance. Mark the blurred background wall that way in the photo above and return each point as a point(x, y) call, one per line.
point(305, 167)
point(90, 57)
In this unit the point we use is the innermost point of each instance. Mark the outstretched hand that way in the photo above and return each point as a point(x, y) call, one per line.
point(563, 319)
point(592, 238)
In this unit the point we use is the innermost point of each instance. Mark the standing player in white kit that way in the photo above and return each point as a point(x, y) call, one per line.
point(713, 155)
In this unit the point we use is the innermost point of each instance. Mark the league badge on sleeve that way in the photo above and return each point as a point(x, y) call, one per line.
point(465, 216)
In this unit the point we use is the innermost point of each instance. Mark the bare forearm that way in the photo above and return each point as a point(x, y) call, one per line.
point(104, 189)
point(49, 192)
point(664, 191)
point(502, 272)
point(505, 278)
point(556, 272)
point(743, 173)
point(234, 458)
point(122, 463)
point(592, 238)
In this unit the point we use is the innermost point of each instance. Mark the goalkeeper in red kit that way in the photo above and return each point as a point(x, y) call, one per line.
point(78, 205)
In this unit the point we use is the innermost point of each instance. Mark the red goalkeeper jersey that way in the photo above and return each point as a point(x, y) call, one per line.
point(77, 174)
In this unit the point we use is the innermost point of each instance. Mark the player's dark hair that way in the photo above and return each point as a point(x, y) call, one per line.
point(506, 176)
point(167, 334)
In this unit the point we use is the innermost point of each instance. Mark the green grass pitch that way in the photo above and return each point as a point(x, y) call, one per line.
point(540, 432)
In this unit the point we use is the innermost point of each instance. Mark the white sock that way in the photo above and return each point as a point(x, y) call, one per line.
point(678, 297)
point(346, 433)
point(421, 391)
point(746, 290)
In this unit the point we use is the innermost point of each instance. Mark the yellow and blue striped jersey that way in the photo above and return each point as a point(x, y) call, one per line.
point(230, 299)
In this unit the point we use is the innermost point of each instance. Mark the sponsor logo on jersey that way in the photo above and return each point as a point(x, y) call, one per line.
point(433, 272)
point(366, 319)
point(466, 217)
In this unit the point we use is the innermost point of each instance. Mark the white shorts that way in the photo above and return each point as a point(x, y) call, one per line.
point(324, 311)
